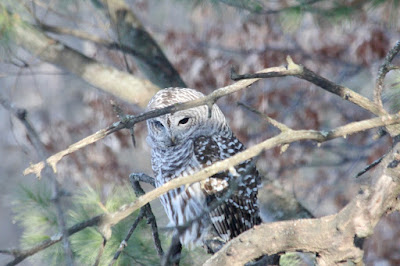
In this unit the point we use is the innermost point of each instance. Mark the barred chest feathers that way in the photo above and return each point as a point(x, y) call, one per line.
point(182, 205)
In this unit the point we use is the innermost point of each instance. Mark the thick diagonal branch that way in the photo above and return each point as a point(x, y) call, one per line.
point(132, 34)
point(106, 78)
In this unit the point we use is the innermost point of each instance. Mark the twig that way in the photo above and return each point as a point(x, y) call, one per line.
point(257, 8)
point(370, 166)
point(146, 209)
point(120, 114)
point(302, 72)
point(115, 25)
point(282, 127)
point(129, 121)
point(173, 254)
point(75, 33)
point(151, 219)
point(291, 70)
point(383, 70)
point(21, 114)
point(124, 242)
point(20, 255)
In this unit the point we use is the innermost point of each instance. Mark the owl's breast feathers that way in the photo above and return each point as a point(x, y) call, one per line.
point(238, 210)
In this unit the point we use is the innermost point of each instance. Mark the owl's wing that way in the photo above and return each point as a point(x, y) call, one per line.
point(239, 210)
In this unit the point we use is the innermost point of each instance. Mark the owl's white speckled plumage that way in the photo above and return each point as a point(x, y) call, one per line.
point(187, 141)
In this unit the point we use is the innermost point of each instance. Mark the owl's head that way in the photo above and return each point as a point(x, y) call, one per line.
point(182, 126)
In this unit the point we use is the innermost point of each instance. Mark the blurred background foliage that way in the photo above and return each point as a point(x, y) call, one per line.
point(344, 41)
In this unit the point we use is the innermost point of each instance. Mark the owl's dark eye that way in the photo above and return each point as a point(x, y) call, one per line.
point(183, 121)
point(158, 124)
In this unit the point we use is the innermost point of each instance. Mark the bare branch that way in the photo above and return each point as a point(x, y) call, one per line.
point(282, 138)
point(370, 166)
point(291, 70)
point(129, 121)
point(21, 255)
point(173, 254)
point(151, 219)
point(282, 127)
point(75, 33)
point(99, 41)
point(302, 72)
point(55, 158)
point(124, 242)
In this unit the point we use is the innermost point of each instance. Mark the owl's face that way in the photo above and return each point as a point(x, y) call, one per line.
point(173, 129)
point(178, 128)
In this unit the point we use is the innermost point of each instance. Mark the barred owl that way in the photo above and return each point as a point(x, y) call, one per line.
point(183, 143)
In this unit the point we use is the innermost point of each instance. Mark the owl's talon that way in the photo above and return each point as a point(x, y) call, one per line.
point(214, 245)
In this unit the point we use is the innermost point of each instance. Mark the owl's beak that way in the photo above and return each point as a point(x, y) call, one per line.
point(173, 140)
point(171, 136)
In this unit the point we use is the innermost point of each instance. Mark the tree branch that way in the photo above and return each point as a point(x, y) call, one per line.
point(302, 72)
point(282, 127)
point(172, 257)
point(335, 239)
point(291, 70)
point(20, 255)
point(132, 34)
point(151, 219)
point(124, 242)
point(106, 78)
point(99, 41)
point(129, 120)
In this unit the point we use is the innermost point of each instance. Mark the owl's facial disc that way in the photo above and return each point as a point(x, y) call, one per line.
point(180, 127)
point(172, 129)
